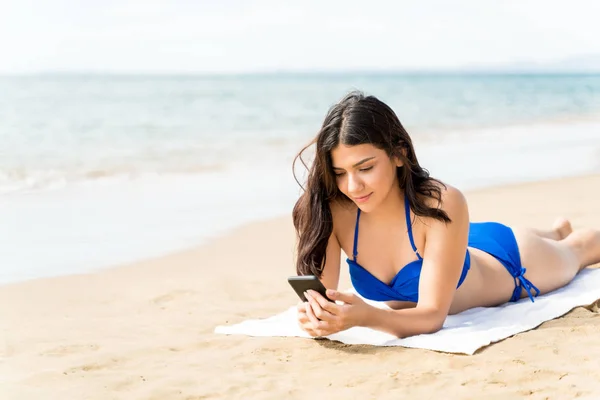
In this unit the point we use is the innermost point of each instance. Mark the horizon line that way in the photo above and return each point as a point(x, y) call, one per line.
point(314, 72)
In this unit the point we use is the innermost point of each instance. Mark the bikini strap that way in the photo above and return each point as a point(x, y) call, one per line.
point(409, 226)
point(355, 250)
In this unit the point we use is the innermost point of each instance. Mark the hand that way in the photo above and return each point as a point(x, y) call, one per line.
point(303, 320)
point(321, 317)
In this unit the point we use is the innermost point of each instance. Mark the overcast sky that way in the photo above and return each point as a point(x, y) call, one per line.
point(236, 35)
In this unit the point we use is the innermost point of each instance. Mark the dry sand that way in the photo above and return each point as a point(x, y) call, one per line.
point(145, 331)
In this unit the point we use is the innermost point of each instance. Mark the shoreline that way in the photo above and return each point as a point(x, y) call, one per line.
point(279, 219)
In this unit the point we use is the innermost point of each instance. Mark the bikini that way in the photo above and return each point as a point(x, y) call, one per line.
point(492, 237)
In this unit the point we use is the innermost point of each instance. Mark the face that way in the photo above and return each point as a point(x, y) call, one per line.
point(364, 173)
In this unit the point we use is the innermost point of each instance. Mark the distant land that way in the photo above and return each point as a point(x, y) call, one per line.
point(580, 64)
point(588, 63)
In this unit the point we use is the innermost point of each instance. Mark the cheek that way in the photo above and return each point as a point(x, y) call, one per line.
point(382, 180)
point(377, 179)
point(341, 184)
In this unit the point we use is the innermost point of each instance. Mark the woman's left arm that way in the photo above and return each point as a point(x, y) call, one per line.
point(443, 259)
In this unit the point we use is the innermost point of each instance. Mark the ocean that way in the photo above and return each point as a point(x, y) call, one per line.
point(96, 171)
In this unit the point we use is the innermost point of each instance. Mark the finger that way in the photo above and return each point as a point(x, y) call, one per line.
point(348, 298)
point(323, 329)
point(324, 303)
point(302, 317)
point(317, 310)
point(312, 332)
point(307, 327)
point(311, 315)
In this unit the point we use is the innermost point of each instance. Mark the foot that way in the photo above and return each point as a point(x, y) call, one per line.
point(562, 227)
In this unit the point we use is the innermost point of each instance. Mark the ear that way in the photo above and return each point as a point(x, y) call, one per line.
point(397, 161)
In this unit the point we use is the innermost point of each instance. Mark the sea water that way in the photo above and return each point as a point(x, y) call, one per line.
point(100, 170)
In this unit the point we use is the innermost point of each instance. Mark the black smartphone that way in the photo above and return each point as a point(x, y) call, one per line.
point(300, 284)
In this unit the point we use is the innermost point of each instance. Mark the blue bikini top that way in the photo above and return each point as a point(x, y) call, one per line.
point(405, 285)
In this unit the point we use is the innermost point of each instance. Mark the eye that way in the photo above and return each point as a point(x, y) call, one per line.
point(338, 174)
point(366, 169)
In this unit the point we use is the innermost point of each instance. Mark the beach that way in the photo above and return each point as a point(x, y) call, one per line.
point(145, 330)
point(141, 212)
point(152, 154)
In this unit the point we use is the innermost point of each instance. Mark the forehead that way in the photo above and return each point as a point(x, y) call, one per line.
point(343, 156)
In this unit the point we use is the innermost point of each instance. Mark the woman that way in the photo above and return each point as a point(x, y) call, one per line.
point(409, 235)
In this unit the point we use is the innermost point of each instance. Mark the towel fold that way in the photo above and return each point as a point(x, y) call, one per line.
point(462, 333)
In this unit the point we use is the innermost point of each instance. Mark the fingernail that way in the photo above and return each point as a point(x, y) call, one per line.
point(330, 292)
point(306, 294)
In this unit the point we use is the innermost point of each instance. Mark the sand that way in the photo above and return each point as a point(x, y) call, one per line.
point(145, 330)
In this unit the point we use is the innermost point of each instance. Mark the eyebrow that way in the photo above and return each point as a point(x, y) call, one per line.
point(358, 163)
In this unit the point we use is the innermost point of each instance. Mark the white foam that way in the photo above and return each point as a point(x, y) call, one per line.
point(513, 154)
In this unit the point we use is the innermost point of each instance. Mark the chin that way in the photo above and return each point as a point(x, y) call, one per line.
point(367, 206)
point(365, 209)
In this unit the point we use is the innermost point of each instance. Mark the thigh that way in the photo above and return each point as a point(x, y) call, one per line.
point(550, 264)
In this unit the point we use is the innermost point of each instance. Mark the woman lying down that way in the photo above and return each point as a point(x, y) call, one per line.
point(409, 235)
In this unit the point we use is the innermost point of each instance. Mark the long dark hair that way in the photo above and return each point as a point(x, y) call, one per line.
point(356, 119)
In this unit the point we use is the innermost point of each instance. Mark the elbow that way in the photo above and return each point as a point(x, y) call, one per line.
point(433, 326)
point(410, 322)
point(421, 323)
point(433, 322)
point(424, 328)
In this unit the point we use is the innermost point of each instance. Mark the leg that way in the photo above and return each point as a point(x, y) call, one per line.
point(552, 264)
point(560, 230)
point(585, 243)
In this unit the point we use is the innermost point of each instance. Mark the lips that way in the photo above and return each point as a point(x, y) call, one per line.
point(363, 198)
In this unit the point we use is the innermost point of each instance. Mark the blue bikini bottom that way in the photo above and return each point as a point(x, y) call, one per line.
point(499, 241)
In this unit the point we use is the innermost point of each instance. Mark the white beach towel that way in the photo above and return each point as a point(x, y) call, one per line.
point(462, 333)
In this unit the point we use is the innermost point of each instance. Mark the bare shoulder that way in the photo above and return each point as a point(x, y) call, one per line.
point(452, 201)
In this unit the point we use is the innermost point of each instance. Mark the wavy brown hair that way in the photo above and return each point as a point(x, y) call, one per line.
point(356, 119)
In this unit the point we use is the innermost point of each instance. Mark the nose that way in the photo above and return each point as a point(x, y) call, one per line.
point(354, 184)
